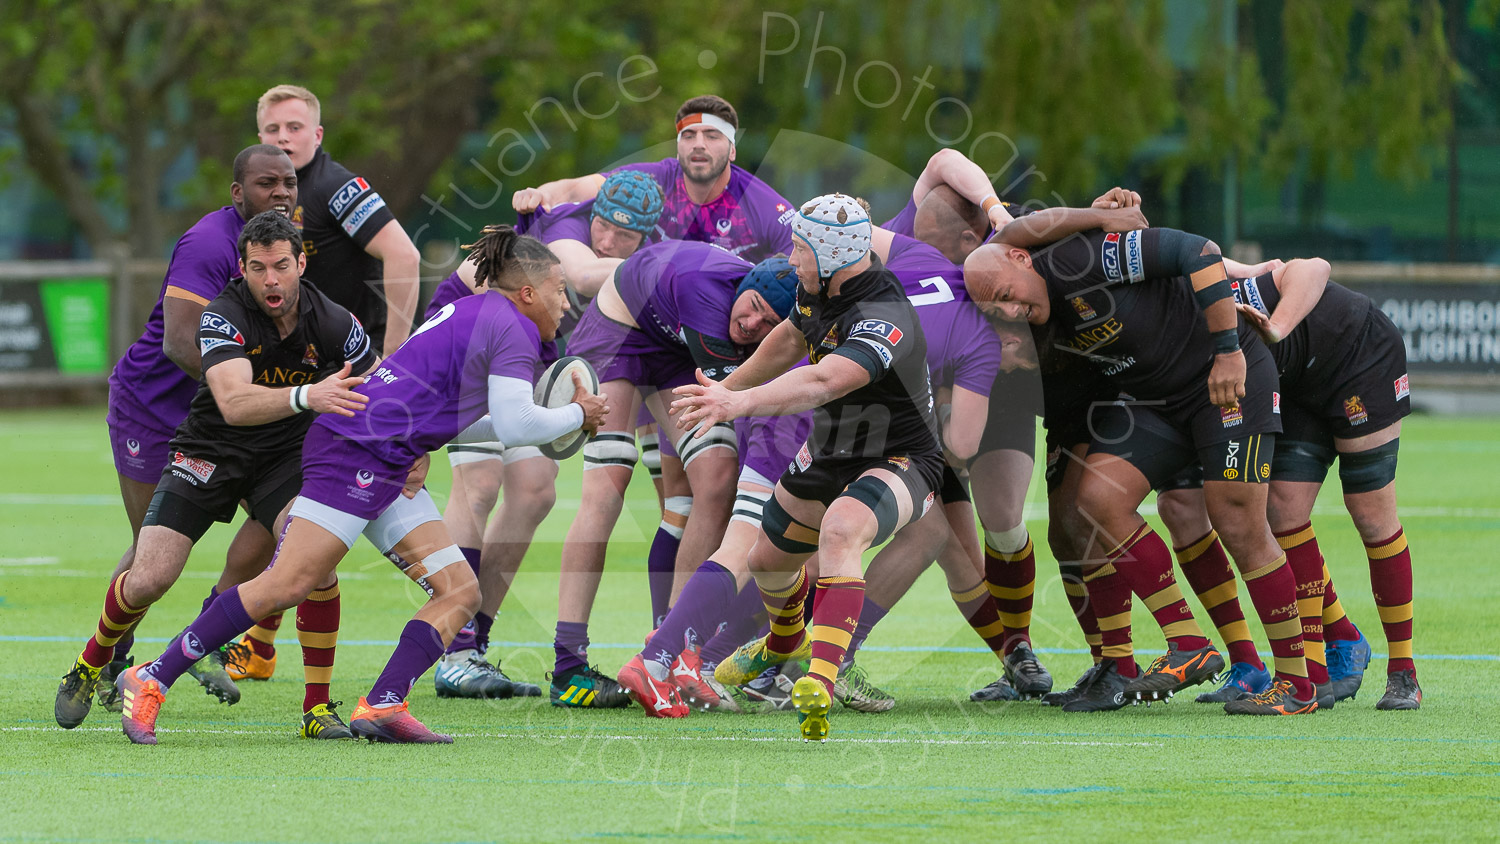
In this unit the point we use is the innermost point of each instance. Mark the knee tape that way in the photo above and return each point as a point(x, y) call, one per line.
point(881, 500)
point(786, 533)
point(1303, 462)
point(1008, 541)
point(651, 454)
point(674, 517)
point(720, 435)
point(1367, 471)
point(750, 507)
point(610, 448)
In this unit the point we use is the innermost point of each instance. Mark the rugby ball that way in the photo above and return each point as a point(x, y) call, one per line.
point(555, 389)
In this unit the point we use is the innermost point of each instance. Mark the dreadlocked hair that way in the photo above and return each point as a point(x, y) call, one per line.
point(507, 260)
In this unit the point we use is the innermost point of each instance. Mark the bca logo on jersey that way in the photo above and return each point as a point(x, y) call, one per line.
point(1123, 258)
point(890, 332)
point(347, 193)
point(216, 324)
point(356, 342)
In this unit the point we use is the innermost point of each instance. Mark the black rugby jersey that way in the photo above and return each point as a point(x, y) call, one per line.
point(339, 213)
point(1128, 311)
point(234, 326)
point(1324, 341)
point(872, 323)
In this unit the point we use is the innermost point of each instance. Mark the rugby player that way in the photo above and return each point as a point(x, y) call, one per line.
point(1189, 375)
point(583, 236)
point(872, 464)
point(150, 389)
point(1345, 389)
point(271, 348)
point(671, 306)
point(708, 197)
point(479, 352)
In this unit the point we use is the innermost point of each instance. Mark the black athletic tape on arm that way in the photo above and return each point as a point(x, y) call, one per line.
point(1367, 471)
point(881, 499)
point(1226, 341)
point(1212, 293)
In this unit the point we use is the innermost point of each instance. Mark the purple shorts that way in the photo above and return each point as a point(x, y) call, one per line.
point(621, 353)
point(345, 476)
point(137, 438)
point(768, 444)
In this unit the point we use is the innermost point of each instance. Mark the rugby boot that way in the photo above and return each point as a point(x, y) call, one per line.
point(105, 691)
point(1401, 691)
point(518, 688)
point(212, 674)
point(75, 694)
point(855, 691)
point(731, 698)
point(1062, 697)
point(241, 662)
point(1347, 661)
point(1173, 671)
point(1026, 674)
point(1105, 691)
point(1001, 690)
point(655, 695)
point(392, 724)
point(1280, 699)
point(1324, 693)
point(770, 691)
point(141, 699)
point(587, 689)
point(750, 661)
point(687, 675)
point(321, 722)
point(464, 674)
point(812, 702)
point(1241, 680)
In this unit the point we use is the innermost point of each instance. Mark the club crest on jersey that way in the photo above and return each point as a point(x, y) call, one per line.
point(1231, 416)
point(805, 310)
point(723, 225)
point(364, 477)
point(1403, 387)
point(310, 357)
point(1354, 411)
point(200, 469)
point(1085, 311)
point(831, 339)
point(903, 463)
point(133, 446)
point(347, 193)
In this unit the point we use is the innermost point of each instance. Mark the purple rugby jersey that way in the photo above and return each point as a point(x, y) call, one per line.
point(769, 444)
point(680, 284)
point(748, 219)
point(962, 348)
point(568, 221)
point(437, 383)
point(454, 288)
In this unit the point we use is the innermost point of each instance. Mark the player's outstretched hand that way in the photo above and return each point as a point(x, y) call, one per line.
point(1124, 219)
point(1118, 197)
point(527, 200)
point(335, 394)
point(1260, 322)
point(704, 404)
point(416, 476)
point(594, 407)
point(1226, 381)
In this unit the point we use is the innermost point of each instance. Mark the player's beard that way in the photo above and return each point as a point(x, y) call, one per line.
point(716, 167)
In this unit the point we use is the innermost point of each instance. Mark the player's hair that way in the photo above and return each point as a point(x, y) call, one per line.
point(289, 92)
point(507, 260)
point(710, 104)
point(242, 161)
point(953, 209)
point(267, 229)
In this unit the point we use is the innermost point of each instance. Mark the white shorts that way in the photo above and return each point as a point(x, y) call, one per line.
point(458, 455)
point(389, 528)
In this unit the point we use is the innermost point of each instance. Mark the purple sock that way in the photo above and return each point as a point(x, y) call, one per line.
point(661, 565)
point(465, 640)
point(742, 618)
point(471, 555)
point(705, 597)
point(224, 620)
point(213, 592)
point(571, 644)
point(420, 646)
point(869, 616)
point(482, 625)
point(122, 647)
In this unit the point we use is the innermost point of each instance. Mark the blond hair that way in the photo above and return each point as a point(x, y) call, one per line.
point(289, 92)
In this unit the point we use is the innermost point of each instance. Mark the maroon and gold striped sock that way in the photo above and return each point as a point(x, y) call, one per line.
point(1012, 581)
point(263, 636)
point(1273, 592)
point(1336, 624)
point(1110, 595)
point(1206, 568)
point(318, 633)
point(117, 618)
point(1308, 572)
point(1083, 609)
point(835, 615)
point(978, 608)
point(1390, 580)
point(1144, 562)
point(785, 609)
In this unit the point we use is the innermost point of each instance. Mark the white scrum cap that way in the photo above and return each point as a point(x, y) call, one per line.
point(836, 228)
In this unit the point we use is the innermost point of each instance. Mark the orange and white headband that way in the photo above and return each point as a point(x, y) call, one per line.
point(712, 121)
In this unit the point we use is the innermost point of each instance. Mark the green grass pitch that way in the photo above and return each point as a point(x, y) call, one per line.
point(937, 767)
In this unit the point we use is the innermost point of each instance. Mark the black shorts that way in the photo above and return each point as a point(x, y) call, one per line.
point(823, 479)
point(1365, 394)
point(216, 482)
point(1163, 449)
point(1015, 403)
point(955, 490)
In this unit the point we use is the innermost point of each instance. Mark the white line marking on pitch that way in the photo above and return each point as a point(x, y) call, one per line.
point(29, 561)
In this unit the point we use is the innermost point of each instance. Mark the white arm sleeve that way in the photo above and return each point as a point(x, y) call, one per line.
point(518, 420)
